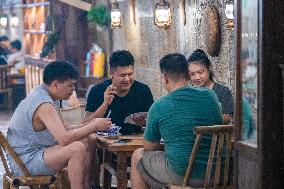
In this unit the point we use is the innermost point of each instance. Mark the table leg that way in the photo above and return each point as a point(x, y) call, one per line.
point(121, 170)
point(107, 157)
point(97, 167)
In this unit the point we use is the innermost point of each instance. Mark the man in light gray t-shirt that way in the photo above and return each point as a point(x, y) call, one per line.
point(40, 137)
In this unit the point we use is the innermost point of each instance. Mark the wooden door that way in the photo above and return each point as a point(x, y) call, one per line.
point(259, 107)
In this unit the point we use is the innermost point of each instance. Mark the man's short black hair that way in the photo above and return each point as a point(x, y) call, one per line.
point(121, 58)
point(175, 66)
point(4, 38)
point(16, 44)
point(59, 70)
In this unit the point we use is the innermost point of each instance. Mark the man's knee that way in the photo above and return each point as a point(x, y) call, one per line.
point(137, 155)
point(78, 147)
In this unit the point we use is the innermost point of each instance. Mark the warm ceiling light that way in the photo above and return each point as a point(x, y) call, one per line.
point(3, 21)
point(116, 17)
point(163, 16)
point(14, 21)
point(229, 12)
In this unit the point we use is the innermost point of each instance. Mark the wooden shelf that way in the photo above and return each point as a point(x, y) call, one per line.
point(35, 14)
point(39, 4)
point(36, 32)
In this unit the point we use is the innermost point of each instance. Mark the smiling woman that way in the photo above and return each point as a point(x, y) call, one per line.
point(201, 75)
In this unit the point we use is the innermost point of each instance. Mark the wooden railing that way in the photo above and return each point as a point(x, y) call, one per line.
point(33, 72)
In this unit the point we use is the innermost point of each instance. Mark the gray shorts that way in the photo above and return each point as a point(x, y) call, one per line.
point(34, 162)
point(155, 170)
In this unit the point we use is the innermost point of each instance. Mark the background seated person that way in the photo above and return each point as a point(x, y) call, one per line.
point(248, 125)
point(201, 75)
point(17, 58)
point(121, 95)
point(39, 136)
point(4, 49)
point(173, 118)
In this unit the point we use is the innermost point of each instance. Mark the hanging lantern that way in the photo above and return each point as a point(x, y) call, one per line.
point(163, 15)
point(116, 17)
point(14, 21)
point(229, 12)
point(3, 21)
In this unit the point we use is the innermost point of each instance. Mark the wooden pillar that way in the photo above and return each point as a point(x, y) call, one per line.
point(73, 26)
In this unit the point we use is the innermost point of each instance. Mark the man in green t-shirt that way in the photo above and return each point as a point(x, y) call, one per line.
point(172, 119)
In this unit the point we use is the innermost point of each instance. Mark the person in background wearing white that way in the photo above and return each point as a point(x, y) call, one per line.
point(16, 58)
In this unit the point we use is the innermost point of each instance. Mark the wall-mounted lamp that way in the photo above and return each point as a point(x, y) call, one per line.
point(163, 15)
point(3, 21)
point(116, 17)
point(14, 21)
point(229, 12)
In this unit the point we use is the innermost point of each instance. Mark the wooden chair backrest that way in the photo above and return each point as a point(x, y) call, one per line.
point(5, 146)
point(222, 134)
point(74, 115)
point(4, 76)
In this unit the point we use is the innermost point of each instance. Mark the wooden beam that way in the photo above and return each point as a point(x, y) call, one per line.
point(78, 4)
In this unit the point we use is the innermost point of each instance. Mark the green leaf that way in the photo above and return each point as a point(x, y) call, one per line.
point(50, 43)
point(100, 15)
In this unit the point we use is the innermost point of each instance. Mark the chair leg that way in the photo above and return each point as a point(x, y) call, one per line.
point(52, 186)
point(13, 187)
point(9, 100)
point(6, 184)
point(62, 181)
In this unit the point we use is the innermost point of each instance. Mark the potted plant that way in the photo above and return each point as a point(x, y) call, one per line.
point(100, 15)
point(50, 43)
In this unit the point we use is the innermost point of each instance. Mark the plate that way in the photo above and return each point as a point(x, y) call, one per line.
point(106, 134)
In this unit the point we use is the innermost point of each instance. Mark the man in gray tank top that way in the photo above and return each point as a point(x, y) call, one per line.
point(42, 139)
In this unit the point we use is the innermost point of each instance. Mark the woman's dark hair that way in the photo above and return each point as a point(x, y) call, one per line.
point(121, 58)
point(200, 57)
point(59, 70)
point(175, 65)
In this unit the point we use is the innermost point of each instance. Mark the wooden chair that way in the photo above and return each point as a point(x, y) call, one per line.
point(38, 181)
point(4, 85)
point(220, 134)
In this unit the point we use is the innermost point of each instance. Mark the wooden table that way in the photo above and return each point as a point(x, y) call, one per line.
point(122, 150)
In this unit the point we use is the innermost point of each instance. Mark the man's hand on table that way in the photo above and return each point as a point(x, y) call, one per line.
point(101, 124)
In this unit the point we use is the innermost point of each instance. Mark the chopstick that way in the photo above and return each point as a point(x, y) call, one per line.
point(108, 115)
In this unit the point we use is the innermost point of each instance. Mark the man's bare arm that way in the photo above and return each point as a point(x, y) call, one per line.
point(100, 112)
point(149, 146)
point(47, 114)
